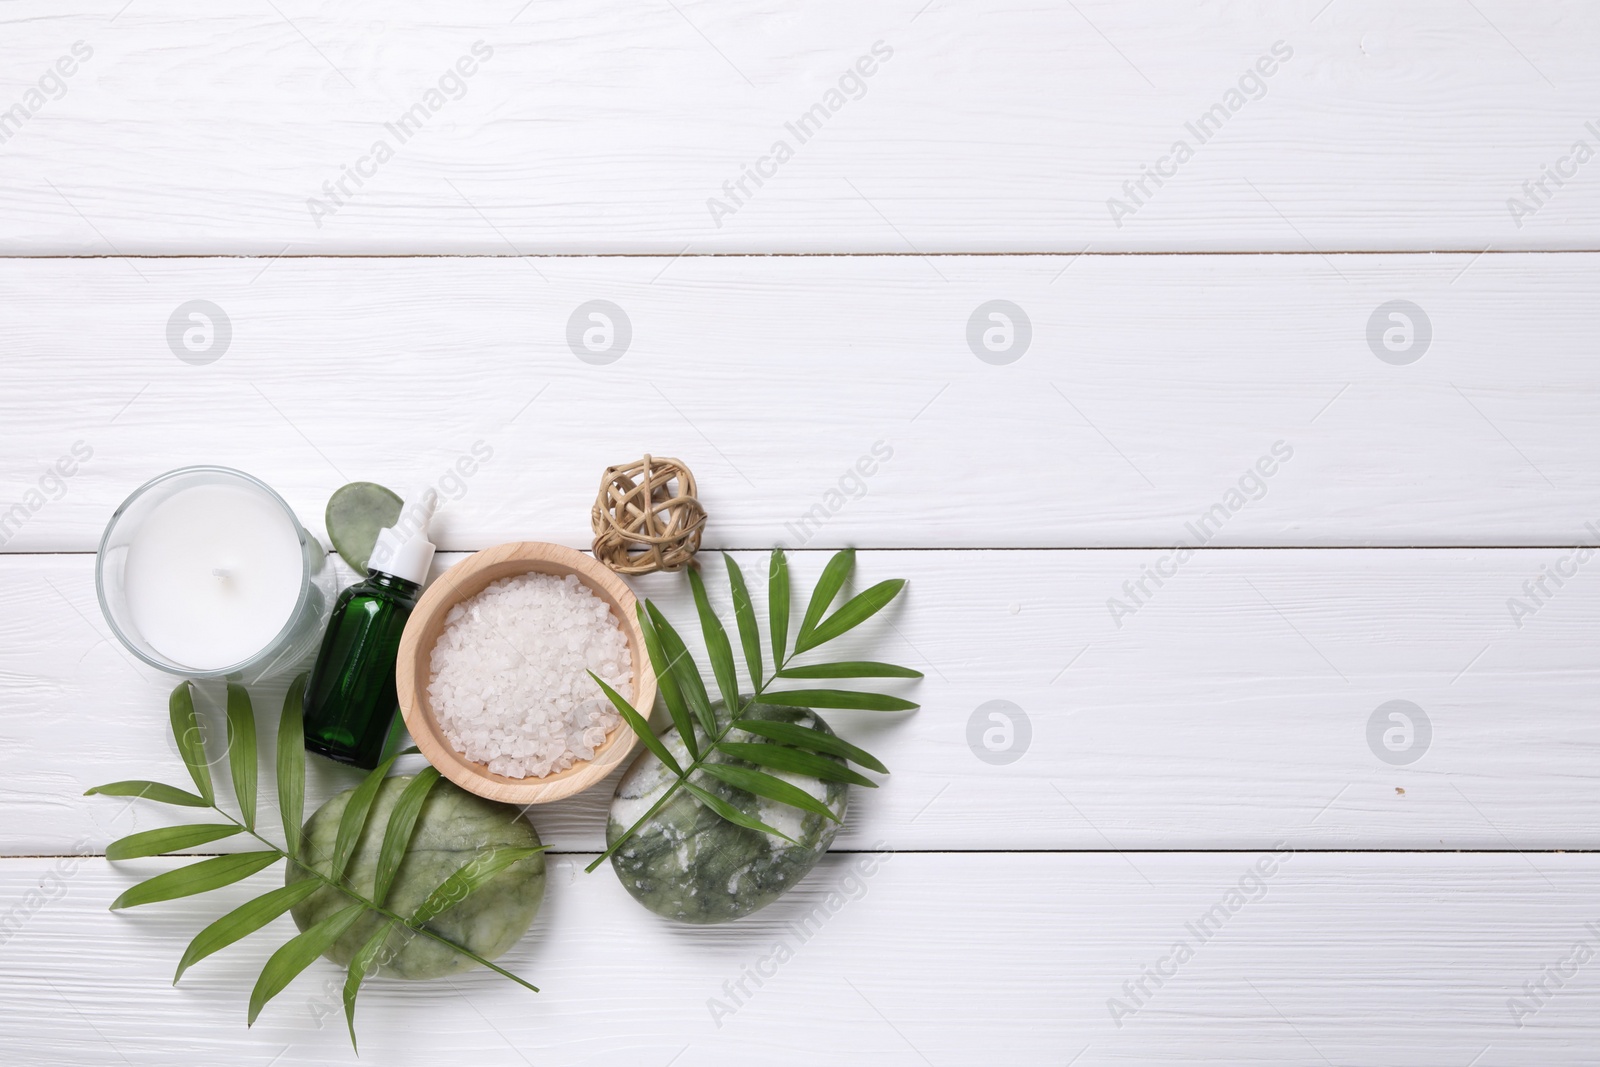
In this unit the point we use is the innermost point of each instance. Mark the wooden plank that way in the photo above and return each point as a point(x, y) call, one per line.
point(1232, 709)
point(981, 128)
point(1151, 391)
point(1400, 959)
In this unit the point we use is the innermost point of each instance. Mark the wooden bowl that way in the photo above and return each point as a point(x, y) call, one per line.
point(414, 670)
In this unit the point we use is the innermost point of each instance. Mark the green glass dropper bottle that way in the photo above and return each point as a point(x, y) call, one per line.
point(350, 702)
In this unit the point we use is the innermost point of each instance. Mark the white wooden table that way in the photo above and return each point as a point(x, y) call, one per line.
point(1193, 721)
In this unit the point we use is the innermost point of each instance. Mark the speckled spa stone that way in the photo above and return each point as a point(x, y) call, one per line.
point(451, 828)
point(689, 864)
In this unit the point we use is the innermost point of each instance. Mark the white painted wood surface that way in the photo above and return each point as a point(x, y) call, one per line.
point(992, 126)
point(1151, 387)
point(1333, 958)
point(1228, 713)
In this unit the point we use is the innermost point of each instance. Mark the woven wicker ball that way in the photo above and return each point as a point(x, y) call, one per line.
point(647, 517)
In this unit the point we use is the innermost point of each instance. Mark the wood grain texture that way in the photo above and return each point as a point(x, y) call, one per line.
point(991, 127)
point(1152, 388)
point(1231, 710)
point(1398, 959)
point(1221, 701)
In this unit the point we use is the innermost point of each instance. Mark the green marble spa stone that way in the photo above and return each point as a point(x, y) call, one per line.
point(453, 826)
point(689, 864)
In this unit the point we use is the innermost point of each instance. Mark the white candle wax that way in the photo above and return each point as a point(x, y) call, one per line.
point(213, 575)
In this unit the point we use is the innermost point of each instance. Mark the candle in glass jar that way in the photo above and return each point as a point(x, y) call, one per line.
point(213, 574)
point(206, 572)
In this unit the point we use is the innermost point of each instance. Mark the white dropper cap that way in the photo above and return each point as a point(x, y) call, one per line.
point(403, 550)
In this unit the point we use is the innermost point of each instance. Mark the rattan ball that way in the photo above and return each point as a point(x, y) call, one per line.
point(647, 517)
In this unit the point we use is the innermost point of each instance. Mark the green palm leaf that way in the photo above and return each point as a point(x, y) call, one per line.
point(828, 586)
point(733, 814)
point(202, 877)
point(296, 955)
point(798, 750)
point(242, 751)
point(795, 761)
point(361, 963)
point(789, 733)
point(292, 764)
point(157, 791)
point(765, 785)
point(849, 669)
point(683, 668)
point(169, 839)
point(191, 742)
point(717, 646)
point(856, 610)
point(397, 835)
point(838, 698)
point(744, 614)
point(243, 921)
point(218, 871)
point(638, 725)
point(671, 695)
point(468, 879)
point(778, 605)
point(354, 819)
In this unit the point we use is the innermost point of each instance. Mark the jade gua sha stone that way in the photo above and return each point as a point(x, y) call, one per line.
point(453, 826)
point(689, 864)
point(355, 514)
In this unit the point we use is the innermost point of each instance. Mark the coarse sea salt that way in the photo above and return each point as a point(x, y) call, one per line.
point(510, 685)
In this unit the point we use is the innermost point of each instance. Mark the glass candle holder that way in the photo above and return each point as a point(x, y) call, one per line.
point(206, 572)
